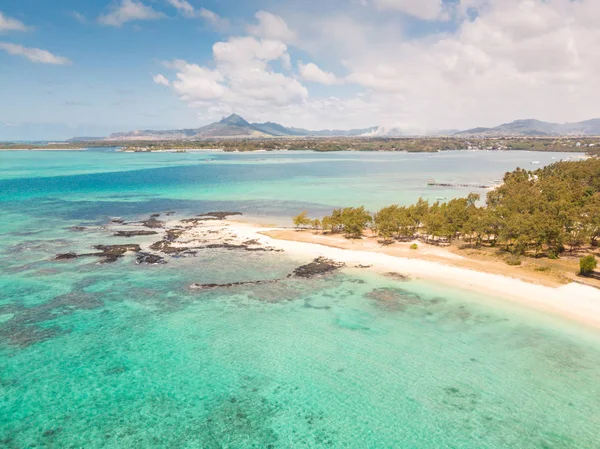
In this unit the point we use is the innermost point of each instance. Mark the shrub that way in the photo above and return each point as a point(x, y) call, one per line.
point(414, 246)
point(552, 255)
point(587, 265)
point(513, 260)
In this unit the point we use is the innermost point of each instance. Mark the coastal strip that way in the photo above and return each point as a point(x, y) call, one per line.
point(573, 301)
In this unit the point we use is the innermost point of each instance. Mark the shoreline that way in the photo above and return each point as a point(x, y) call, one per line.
point(572, 301)
point(185, 237)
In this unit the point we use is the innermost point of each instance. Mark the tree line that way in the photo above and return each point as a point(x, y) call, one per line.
point(545, 212)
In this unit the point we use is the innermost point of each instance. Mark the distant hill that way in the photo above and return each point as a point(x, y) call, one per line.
point(537, 128)
point(233, 126)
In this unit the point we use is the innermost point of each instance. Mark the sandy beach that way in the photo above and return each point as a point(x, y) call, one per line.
point(573, 301)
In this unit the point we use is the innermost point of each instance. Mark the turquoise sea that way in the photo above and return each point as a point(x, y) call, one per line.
point(127, 356)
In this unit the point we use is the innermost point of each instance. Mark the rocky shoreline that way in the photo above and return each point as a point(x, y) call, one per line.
point(178, 238)
point(188, 237)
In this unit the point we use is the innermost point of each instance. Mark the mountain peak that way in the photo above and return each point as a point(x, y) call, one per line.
point(234, 120)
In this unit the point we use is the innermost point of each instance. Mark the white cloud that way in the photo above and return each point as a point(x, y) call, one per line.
point(33, 54)
point(499, 61)
point(249, 52)
point(516, 59)
point(8, 24)
point(161, 79)
point(182, 5)
point(422, 9)
point(312, 72)
point(127, 11)
point(242, 81)
point(271, 26)
point(196, 84)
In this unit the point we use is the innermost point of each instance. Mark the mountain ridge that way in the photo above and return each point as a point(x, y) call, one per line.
point(235, 126)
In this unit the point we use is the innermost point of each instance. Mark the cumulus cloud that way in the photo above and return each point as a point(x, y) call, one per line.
point(128, 10)
point(33, 54)
point(8, 24)
point(512, 59)
point(161, 79)
point(499, 61)
point(242, 80)
point(271, 26)
point(312, 72)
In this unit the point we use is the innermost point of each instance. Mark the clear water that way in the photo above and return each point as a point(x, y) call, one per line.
point(102, 356)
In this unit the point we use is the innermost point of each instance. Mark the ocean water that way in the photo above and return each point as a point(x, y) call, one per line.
point(123, 355)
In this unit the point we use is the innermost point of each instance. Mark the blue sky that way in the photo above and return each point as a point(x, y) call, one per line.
point(92, 67)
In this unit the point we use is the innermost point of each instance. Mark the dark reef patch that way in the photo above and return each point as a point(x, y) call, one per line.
point(149, 259)
point(219, 215)
point(25, 327)
point(394, 299)
point(232, 284)
point(133, 233)
point(397, 276)
point(317, 267)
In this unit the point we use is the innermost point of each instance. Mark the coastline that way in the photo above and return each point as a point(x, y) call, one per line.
point(185, 237)
point(572, 301)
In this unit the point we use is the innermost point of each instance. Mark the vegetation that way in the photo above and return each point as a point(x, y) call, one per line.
point(540, 213)
point(301, 220)
point(329, 144)
point(587, 265)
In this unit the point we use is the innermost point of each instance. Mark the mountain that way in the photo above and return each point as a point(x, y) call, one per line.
point(233, 126)
point(537, 128)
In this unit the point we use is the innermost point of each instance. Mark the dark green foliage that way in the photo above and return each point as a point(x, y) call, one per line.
point(539, 212)
point(587, 265)
point(351, 221)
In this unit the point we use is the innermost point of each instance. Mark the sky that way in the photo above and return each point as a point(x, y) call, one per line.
point(93, 67)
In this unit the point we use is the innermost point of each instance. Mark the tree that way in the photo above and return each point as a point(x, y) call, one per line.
point(354, 220)
point(302, 220)
point(587, 265)
point(386, 222)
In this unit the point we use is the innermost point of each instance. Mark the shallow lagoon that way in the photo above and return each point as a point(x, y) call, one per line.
point(128, 356)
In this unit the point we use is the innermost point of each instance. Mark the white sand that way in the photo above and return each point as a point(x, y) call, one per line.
point(574, 301)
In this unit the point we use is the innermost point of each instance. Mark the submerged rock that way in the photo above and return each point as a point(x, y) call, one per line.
point(108, 253)
point(219, 215)
point(149, 259)
point(317, 267)
point(116, 250)
point(397, 276)
point(231, 284)
point(153, 223)
point(133, 233)
point(66, 256)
